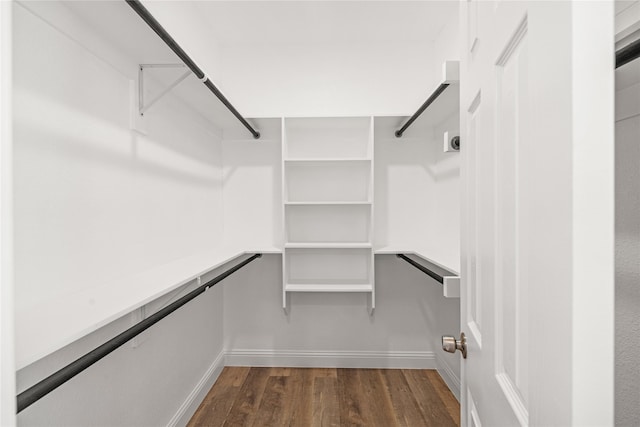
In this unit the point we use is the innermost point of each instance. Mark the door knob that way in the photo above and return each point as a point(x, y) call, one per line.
point(451, 344)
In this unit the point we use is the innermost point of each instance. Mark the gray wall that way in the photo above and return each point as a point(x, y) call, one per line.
point(146, 385)
point(335, 329)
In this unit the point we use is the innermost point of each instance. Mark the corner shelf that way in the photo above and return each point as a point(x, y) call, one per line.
point(331, 245)
point(327, 187)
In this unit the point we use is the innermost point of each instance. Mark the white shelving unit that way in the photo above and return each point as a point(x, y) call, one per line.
point(327, 187)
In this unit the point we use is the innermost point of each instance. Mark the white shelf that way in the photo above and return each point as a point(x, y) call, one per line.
point(327, 160)
point(49, 327)
point(329, 245)
point(392, 250)
point(451, 283)
point(328, 203)
point(291, 287)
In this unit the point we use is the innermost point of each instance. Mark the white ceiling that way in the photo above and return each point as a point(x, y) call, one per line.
point(271, 22)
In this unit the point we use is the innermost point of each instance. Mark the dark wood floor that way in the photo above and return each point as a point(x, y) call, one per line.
point(328, 397)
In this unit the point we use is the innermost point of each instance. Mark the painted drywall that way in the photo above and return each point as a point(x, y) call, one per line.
point(96, 202)
point(319, 74)
point(188, 27)
point(328, 329)
point(252, 186)
point(417, 183)
point(94, 199)
point(326, 79)
point(627, 245)
point(446, 46)
point(157, 381)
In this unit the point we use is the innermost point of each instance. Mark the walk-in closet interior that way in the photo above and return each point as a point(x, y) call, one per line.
point(135, 185)
point(197, 185)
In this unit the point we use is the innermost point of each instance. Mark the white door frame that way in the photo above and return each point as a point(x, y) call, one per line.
point(7, 367)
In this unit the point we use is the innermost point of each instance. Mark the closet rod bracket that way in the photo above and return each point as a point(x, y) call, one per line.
point(142, 106)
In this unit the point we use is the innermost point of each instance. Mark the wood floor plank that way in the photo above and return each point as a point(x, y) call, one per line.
point(270, 412)
point(352, 410)
point(303, 397)
point(280, 372)
point(248, 399)
point(450, 401)
point(326, 408)
point(324, 372)
point(376, 398)
point(214, 408)
point(432, 407)
point(405, 406)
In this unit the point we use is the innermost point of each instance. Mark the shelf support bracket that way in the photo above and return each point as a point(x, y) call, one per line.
point(142, 107)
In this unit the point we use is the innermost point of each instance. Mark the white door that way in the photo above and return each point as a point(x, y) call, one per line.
point(537, 213)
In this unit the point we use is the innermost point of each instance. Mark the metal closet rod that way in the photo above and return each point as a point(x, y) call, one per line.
point(423, 107)
point(422, 268)
point(628, 53)
point(164, 35)
point(55, 380)
point(623, 56)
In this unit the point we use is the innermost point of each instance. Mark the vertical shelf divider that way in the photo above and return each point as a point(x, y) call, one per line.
point(285, 197)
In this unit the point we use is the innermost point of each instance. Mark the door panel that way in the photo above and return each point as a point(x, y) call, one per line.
point(474, 307)
point(511, 359)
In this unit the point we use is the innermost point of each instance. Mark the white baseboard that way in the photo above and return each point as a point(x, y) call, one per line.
point(450, 378)
point(197, 395)
point(332, 359)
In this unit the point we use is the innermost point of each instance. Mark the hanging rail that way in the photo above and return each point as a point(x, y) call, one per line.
point(422, 268)
point(164, 35)
point(423, 107)
point(628, 53)
point(55, 380)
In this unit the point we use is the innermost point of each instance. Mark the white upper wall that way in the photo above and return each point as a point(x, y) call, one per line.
point(187, 26)
point(328, 79)
point(316, 58)
point(94, 201)
point(282, 22)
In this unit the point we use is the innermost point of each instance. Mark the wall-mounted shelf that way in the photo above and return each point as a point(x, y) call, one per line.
point(142, 45)
point(446, 94)
point(327, 203)
point(328, 206)
point(329, 288)
point(58, 323)
point(330, 245)
point(448, 277)
point(327, 159)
